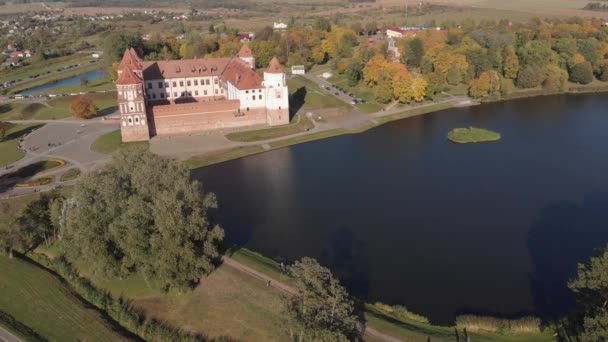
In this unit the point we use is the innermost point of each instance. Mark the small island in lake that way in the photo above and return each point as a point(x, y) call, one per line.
point(472, 135)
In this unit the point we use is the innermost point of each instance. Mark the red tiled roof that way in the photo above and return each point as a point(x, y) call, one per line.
point(154, 70)
point(127, 76)
point(241, 76)
point(131, 59)
point(274, 67)
point(245, 52)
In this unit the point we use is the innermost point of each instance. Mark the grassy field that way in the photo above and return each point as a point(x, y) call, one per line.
point(307, 95)
point(112, 142)
point(298, 124)
point(70, 175)
point(38, 299)
point(55, 108)
point(472, 135)
point(361, 91)
point(9, 146)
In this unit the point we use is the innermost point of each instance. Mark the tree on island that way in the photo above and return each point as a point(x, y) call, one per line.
point(83, 107)
point(143, 214)
point(591, 290)
point(324, 311)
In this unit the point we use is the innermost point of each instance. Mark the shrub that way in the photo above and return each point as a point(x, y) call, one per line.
point(401, 312)
point(523, 325)
point(530, 77)
point(582, 73)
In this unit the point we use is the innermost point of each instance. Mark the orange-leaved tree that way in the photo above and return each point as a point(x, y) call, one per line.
point(83, 107)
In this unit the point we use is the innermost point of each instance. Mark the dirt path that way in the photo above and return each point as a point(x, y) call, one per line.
point(290, 291)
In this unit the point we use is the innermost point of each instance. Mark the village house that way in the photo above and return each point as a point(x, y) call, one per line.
point(158, 98)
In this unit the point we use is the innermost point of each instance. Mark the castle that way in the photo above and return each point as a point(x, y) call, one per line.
point(195, 95)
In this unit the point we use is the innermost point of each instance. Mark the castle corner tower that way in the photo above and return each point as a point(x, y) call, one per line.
point(277, 94)
point(131, 99)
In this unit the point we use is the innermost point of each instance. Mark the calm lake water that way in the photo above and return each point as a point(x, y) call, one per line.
point(404, 216)
point(71, 81)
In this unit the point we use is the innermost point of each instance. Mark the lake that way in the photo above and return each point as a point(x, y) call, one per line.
point(71, 81)
point(404, 216)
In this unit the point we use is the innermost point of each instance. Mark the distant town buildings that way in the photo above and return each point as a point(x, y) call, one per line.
point(405, 31)
point(197, 95)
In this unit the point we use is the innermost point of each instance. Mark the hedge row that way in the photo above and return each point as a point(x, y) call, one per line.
point(20, 329)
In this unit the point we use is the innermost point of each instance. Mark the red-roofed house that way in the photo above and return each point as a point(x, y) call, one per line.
point(185, 96)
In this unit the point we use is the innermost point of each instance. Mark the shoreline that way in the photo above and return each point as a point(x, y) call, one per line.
point(220, 156)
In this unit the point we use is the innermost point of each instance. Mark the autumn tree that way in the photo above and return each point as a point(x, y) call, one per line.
point(555, 79)
point(142, 214)
point(488, 83)
point(373, 68)
point(591, 290)
point(511, 63)
point(419, 89)
point(384, 88)
point(402, 85)
point(324, 311)
point(83, 107)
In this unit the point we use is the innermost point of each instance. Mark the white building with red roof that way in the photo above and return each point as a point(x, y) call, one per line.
point(186, 96)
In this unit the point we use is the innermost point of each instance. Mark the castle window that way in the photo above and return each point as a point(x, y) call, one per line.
point(183, 94)
point(246, 91)
point(160, 85)
point(260, 96)
point(207, 81)
point(196, 92)
point(174, 84)
point(174, 94)
point(154, 96)
point(188, 83)
point(190, 93)
point(149, 85)
point(195, 82)
point(166, 84)
point(136, 120)
point(205, 92)
point(162, 95)
point(130, 120)
point(181, 83)
point(215, 91)
point(253, 97)
point(215, 80)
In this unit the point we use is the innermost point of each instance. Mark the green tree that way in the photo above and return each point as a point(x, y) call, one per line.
point(536, 53)
point(591, 290)
point(588, 48)
point(115, 43)
point(354, 72)
point(511, 64)
point(582, 73)
point(324, 311)
point(414, 53)
point(603, 72)
point(11, 236)
point(530, 76)
point(555, 80)
point(384, 89)
point(142, 214)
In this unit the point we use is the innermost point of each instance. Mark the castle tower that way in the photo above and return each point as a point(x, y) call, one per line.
point(132, 105)
point(246, 55)
point(277, 94)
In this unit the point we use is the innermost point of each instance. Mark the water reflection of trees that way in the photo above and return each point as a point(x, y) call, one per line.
point(564, 235)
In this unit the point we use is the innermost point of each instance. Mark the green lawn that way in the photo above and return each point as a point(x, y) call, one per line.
point(9, 146)
point(44, 303)
point(70, 175)
point(55, 108)
point(361, 91)
point(298, 124)
point(112, 142)
point(307, 95)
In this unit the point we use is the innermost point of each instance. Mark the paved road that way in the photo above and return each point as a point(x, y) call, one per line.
point(6, 336)
point(290, 291)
